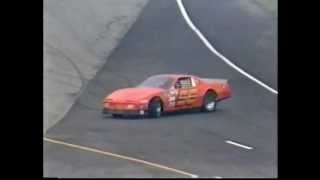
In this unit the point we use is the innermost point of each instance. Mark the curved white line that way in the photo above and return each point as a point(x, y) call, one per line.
point(121, 157)
point(238, 144)
point(212, 49)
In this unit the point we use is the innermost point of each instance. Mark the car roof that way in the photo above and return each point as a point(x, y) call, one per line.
point(175, 76)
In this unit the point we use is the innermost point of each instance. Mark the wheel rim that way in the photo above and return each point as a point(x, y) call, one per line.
point(158, 110)
point(210, 105)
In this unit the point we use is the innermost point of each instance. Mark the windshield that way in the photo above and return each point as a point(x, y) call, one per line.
point(157, 82)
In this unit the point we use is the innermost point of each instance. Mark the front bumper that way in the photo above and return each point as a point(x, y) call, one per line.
point(123, 112)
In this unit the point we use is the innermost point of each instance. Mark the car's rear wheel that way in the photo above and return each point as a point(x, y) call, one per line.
point(155, 108)
point(209, 102)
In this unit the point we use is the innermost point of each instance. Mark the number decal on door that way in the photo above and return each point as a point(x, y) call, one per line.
point(192, 96)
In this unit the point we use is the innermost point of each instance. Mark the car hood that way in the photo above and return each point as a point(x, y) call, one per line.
point(133, 94)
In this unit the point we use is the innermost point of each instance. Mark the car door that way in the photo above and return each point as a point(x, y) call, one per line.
point(185, 92)
point(192, 93)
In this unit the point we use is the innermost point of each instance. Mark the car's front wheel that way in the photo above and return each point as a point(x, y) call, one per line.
point(155, 108)
point(209, 102)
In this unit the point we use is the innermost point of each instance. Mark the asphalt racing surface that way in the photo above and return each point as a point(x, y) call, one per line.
point(243, 32)
point(161, 42)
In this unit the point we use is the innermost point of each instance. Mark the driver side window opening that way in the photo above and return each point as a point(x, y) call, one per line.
point(185, 82)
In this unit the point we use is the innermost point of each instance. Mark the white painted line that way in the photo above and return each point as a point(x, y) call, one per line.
point(212, 49)
point(217, 177)
point(239, 145)
point(194, 176)
point(121, 157)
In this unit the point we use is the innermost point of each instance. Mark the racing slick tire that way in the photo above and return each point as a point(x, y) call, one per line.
point(155, 108)
point(209, 102)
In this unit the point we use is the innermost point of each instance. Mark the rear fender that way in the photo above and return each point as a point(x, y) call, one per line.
point(219, 86)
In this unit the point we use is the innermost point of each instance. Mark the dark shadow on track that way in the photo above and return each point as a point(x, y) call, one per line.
point(164, 116)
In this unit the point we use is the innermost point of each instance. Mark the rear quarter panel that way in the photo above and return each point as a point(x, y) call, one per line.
point(221, 89)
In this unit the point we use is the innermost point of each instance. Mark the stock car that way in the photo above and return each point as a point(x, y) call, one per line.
point(166, 93)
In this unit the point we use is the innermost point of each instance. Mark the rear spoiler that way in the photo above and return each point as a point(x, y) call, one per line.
point(223, 81)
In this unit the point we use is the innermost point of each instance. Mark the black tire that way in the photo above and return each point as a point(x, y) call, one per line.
point(116, 115)
point(155, 108)
point(209, 97)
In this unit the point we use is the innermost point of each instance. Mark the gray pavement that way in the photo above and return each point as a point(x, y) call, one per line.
point(161, 42)
point(244, 31)
point(79, 164)
point(79, 35)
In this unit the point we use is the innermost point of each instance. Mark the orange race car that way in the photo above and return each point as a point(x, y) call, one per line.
point(166, 93)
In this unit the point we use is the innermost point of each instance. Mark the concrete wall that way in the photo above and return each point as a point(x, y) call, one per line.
point(78, 38)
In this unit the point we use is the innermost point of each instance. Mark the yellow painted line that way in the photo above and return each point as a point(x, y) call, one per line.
point(121, 157)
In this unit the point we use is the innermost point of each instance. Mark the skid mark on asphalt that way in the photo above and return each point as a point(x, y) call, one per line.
point(121, 157)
